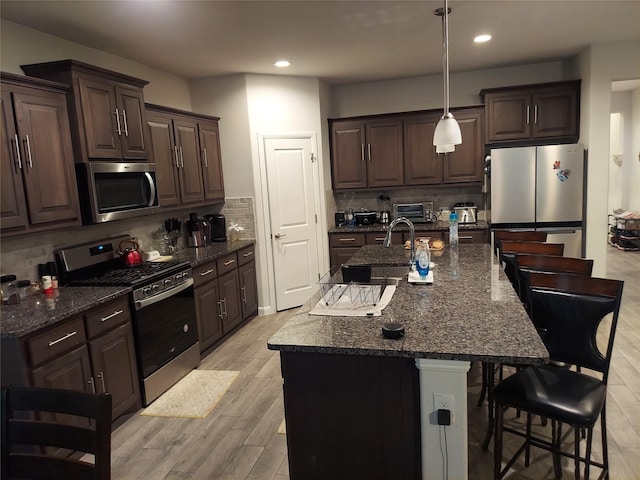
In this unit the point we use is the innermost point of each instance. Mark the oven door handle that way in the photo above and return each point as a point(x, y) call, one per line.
point(140, 304)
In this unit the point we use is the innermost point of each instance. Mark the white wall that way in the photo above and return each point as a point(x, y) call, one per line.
point(634, 153)
point(598, 66)
point(423, 93)
point(21, 46)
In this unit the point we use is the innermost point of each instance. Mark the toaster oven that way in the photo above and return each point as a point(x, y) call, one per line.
point(416, 212)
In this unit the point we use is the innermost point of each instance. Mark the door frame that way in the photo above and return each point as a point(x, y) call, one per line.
point(318, 196)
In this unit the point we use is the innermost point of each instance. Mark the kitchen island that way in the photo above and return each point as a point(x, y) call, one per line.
point(358, 405)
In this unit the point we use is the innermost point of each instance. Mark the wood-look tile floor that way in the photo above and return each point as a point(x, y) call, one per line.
point(239, 439)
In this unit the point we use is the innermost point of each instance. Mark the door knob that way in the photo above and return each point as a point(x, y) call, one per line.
point(277, 235)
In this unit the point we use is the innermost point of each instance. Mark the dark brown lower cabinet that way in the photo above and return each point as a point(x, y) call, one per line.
point(350, 416)
point(71, 371)
point(229, 285)
point(248, 290)
point(208, 313)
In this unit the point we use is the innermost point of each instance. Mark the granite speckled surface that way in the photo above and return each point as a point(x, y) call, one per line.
point(419, 227)
point(470, 312)
point(39, 311)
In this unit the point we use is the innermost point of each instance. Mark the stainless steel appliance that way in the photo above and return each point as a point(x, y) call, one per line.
point(467, 212)
point(365, 218)
point(198, 231)
point(163, 308)
point(540, 188)
point(340, 218)
point(115, 190)
point(416, 212)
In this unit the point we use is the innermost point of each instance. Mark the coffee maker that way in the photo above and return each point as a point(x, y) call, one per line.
point(217, 226)
point(197, 231)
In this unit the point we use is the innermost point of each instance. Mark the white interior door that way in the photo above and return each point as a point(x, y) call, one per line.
point(290, 183)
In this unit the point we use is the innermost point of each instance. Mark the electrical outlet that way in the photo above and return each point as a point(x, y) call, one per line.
point(446, 402)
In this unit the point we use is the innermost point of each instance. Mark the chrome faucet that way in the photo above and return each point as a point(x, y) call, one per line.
point(412, 235)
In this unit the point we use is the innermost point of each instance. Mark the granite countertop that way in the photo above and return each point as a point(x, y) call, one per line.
point(419, 227)
point(470, 312)
point(39, 311)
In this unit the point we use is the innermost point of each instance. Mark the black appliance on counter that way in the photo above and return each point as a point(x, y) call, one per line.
point(162, 303)
point(198, 231)
point(217, 226)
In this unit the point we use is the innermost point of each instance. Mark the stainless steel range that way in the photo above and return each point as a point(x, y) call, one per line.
point(164, 318)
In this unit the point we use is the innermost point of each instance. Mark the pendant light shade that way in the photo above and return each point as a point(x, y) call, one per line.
point(447, 133)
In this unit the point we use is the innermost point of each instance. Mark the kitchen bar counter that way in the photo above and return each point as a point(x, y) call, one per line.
point(358, 405)
point(38, 311)
point(419, 227)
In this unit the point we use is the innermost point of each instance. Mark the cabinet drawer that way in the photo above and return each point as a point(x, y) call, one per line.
point(246, 255)
point(56, 341)
point(107, 316)
point(469, 236)
point(433, 235)
point(227, 263)
point(346, 239)
point(204, 273)
point(378, 238)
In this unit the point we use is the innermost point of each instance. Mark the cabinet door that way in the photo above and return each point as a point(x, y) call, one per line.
point(248, 290)
point(190, 168)
point(385, 163)
point(134, 138)
point(101, 120)
point(13, 207)
point(348, 166)
point(165, 156)
point(71, 371)
point(338, 256)
point(211, 161)
point(229, 285)
point(422, 165)
point(508, 116)
point(208, 313)
point(48, 169)
point(113, 359)
point(554, 113)
point(464, 165)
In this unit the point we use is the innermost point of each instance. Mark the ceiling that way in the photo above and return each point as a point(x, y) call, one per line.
point(337, 41)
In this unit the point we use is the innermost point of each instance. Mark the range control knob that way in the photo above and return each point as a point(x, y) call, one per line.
point(167, 282)
point(155, 287)
point(146, 291)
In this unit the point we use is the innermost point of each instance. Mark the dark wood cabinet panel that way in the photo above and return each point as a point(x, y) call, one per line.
point(464, 165)
point(338, 256)
point(348, 162)
point(165, 156)
point(384, 153)
point(248, 290)
point(378, 238)
point(190, 169)
point(107, 110)
point(422, 165)
point(114, 368)
point(211, 161)
point(208, 313)
point(14, 205)
point(469, 236)
point(71, 371)
point(229, 285)
point(549, 111)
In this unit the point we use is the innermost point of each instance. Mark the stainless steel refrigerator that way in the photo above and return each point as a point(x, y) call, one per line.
point(540, 188)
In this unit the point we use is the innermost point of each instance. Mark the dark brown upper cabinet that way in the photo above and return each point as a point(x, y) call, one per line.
point(106, 109)
point(38, 178)
point(539, 113)
point(367, 153)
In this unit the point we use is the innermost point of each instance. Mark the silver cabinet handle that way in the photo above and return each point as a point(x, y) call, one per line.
point(207, 272)
point(369, 152)
point(220, 309)
point(224, 304)
point(114, 314)
point(465, 238)
point(206, 161)
point(124, 122)
point(29, 151)
point(101, 377)
point(18, 152)
point(379, 239)
point(62, 339)
point(280, 235)
point(175, 150)
point(528, 115)
point(362, 152)
point(181, 157)
point(229, 262)
point(346, 239)
point(248, 254)
point(535, 114)
point(244, 294)
point(117, 114)
point(93, 385)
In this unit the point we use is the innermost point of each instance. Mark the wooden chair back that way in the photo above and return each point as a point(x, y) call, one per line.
point(522, 236)
point(30, 439)
point(509, 249)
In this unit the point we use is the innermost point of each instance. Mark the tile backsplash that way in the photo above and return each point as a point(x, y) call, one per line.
point(21, 255)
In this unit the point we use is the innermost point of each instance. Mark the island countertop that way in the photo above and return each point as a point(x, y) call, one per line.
point(470, 312)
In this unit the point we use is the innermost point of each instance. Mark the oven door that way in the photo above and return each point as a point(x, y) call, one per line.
point(166, 336)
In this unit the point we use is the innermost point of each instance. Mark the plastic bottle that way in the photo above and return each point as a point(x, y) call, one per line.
point(453, 229)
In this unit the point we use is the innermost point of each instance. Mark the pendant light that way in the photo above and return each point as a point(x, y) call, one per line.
point(447, 134)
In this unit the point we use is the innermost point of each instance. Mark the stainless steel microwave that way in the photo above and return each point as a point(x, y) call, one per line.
point(416, 212)
point(115, 190)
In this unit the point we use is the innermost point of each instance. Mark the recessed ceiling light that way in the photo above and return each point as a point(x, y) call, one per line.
point(282, 63)
point(482, 38)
